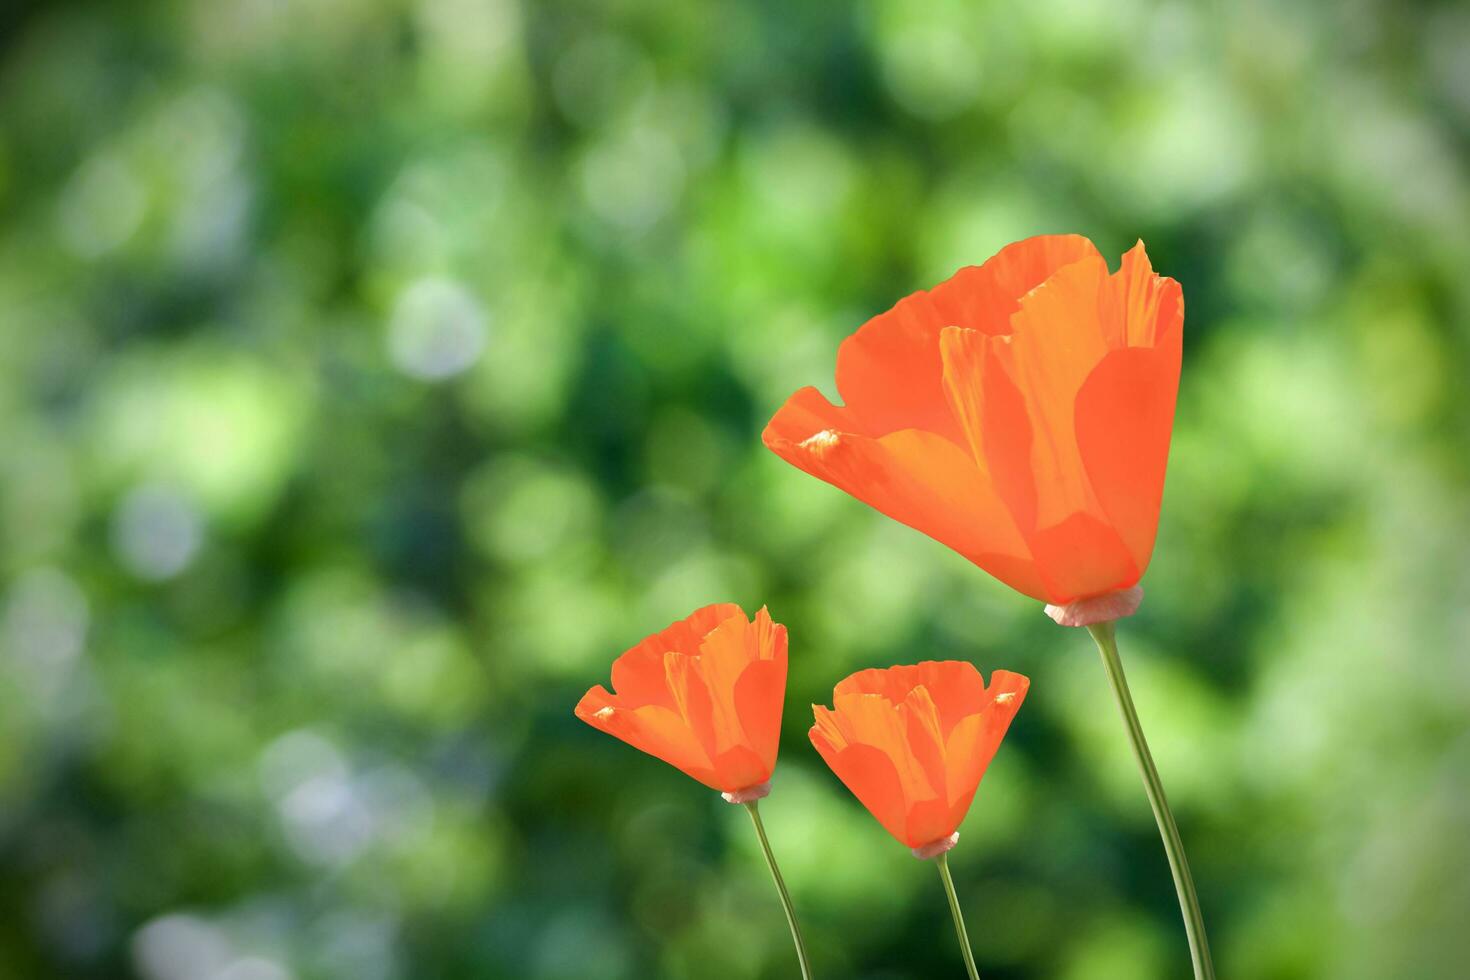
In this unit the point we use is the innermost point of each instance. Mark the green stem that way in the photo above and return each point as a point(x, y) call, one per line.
point(1194, 920)
point(959, 920)
point(760, 831)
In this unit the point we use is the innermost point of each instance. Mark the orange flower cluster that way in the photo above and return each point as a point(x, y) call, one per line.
point(705, 695)
point(1019, 413)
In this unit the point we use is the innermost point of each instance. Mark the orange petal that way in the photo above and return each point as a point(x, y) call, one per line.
point(1143, 309)
point(1056, 341)
point(759, 697)
point(893, 683)
point(871, 777)
point(652, 729)
point(638, 676)
point(870, 719)
point(692, 701)
point(925, 739)
point(724, 654)
point(1125, 417)
point(956, 687)
point(1017, 397)
point(596, 699)
point(985, 298)
point(927, 821)
point(805, 414)
point(888, 372)
point(740, 768)
point(1125, 409)
point(828, 727)
point(966, 767)
point(974, 741)
point(993, 414)
point(770, 636)
point(917, 478)
point(1082, 556)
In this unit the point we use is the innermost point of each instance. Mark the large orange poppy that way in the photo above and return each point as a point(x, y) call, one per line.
point(913, 742)
point(703, 695)
point(1019, 413)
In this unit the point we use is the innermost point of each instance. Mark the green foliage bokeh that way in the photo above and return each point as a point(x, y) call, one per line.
point(372, 373)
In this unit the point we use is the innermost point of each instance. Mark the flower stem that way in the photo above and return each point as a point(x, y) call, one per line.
point(1194, 921)
point(959, 920)
point(760, 831)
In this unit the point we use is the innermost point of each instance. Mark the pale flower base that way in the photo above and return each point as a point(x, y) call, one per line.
point(749, 794)
point(937, 848)
point(1098, 609)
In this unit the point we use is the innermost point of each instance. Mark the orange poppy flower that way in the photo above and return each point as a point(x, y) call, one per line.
point(703, 695)
point(912, 743)
point(1019, 413)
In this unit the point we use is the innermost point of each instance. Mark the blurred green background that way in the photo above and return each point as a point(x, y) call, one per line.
point(371, 374)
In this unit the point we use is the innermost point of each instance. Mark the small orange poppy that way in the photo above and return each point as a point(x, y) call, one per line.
point(703, 695)
point(912, 743)
point(1019, 413)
